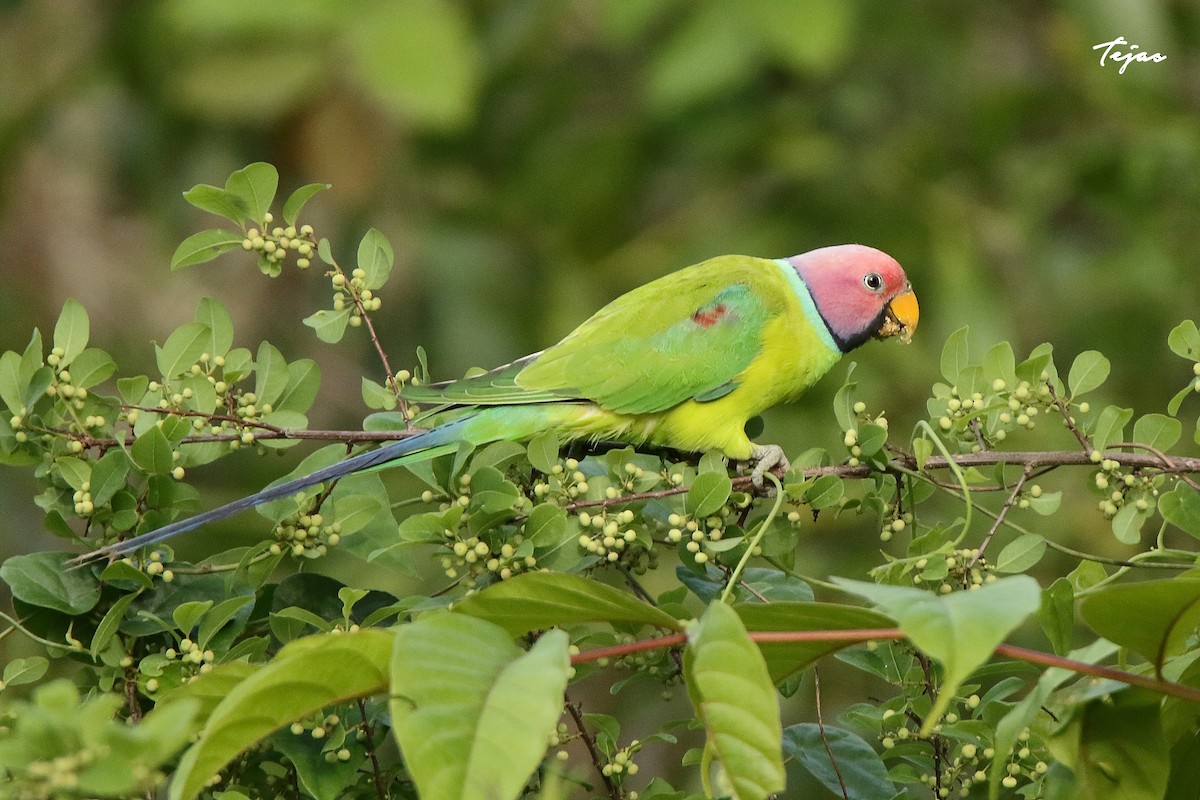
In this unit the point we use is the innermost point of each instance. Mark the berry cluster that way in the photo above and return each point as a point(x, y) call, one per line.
point(705, 537)
point(991, 415)
point(306, 536)
point(273, 245)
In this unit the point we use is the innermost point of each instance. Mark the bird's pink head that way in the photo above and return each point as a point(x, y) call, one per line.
point(859, 291)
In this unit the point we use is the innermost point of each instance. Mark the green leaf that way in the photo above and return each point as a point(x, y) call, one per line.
point(785, 659)
point(708, 493)
point(853, 763)
point(1057, 614)
point(45, 580)
point(297, 199)
point(999, 362)
point(1184, 340)
point(212, 314)
point(270, 374)
point(152, 453)
point(1154, 618)
point(1178, 398)
point(108, 476)
point(255, 185)
point(922, 449)
point(306, 676)
point(71, 332)
point(1046, 503)
point(107, 628)
point(1021, 553)
point(1110, 426)
point(824, 491)
point(537, 600)
point(1089, 371)
point(959, 630)
point(375, 258)
point(205, 246)
point(376, 396)
point(304, 379)
point(1158, 431)
point(182, 349)
point(545, 525)
point(543, 451)
point(871, 439)
point(187, 615)
point(12, 385)
point(734, 697)
point(330, 326)
point(1181, 508)
point(1127, 524)
point(25, 670)
point(427, 74)
point(216, 200)
point(470, 711)
point(1115, 747)
point(91, 367)
point(75, 471)
point(955, 355)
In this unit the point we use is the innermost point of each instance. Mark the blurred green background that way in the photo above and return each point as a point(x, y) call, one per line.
point(532, 160)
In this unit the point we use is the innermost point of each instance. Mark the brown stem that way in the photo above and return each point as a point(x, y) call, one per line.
point(1066, 415)
point(1008, 504)
point(837, 770)
point(614, 791)
point(379, 790)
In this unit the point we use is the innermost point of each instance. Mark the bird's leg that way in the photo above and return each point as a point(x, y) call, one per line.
point(766, 457)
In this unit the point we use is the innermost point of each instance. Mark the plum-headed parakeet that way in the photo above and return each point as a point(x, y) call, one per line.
point(681, 362)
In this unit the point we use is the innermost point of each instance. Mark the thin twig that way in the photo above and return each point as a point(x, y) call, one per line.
point(379, 790)
point(1163, 457)
point(837, 770)
point(614, 791)
point(999, 520)
point(1084, 442)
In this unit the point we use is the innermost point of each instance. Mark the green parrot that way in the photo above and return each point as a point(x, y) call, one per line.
point(681, 362)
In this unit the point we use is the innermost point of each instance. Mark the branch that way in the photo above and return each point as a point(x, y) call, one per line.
point(614, 791)
point(854, 636)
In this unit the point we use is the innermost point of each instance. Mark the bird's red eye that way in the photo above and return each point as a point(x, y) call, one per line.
point(873, 281)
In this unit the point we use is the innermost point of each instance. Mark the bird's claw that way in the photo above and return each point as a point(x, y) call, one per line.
point(766, 457)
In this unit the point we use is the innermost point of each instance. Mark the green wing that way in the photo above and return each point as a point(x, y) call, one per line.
point(685, 336)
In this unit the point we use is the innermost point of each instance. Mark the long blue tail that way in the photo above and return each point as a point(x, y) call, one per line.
point(440, 436)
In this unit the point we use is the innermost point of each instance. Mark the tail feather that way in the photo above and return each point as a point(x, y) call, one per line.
point(428, 444)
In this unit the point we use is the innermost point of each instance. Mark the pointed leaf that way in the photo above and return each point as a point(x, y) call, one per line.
point(375, 258)
point(91, 367)
point(539, 600)
point(212, 314)
point(182, 349)
point(955, 356)
point(960, 630)
point(216, 200)
point(205, 246)
point(1089, 370)
point(306, 676)
point(708, 493)
point(255, 186)
point(470, 710)
point(854, 764)
point(270, 374)
point(733, 695)
point(152, 452)
point(71, 332)
point(297, 199)
point(1021, 553)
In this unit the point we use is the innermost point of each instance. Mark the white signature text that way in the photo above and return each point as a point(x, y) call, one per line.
point(1125, 58)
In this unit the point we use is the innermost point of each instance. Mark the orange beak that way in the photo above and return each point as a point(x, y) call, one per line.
point(901, 316)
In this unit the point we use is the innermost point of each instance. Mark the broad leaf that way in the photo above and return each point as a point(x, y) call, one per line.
point(205, 246)
point(1153, 618)
point(1089, 370)
point(539, 600)
point(838, 758)
point(734, 697)
point(46, 581)
point(470, 710)
point(306, 676)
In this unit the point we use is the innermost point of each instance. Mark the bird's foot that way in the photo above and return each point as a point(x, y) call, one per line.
point(766, 457)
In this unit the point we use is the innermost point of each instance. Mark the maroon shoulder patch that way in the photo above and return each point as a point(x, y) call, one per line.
point(707, 317)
